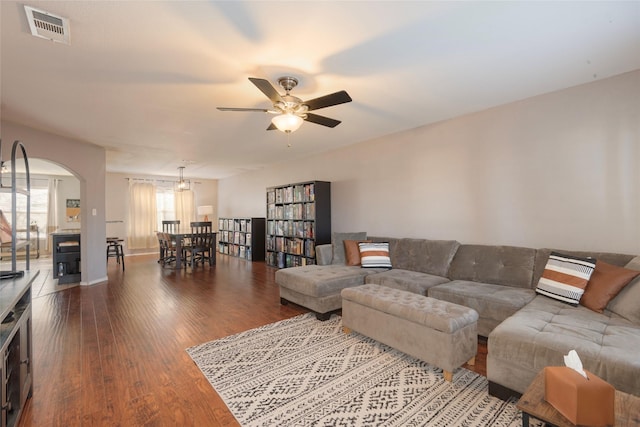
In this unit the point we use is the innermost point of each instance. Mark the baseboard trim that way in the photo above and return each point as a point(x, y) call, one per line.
point(100, 281)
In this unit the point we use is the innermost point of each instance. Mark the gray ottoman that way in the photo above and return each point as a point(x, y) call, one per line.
point(317, 287)
point(441, 333)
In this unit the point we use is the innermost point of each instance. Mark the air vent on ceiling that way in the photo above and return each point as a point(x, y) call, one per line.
point(48, 26)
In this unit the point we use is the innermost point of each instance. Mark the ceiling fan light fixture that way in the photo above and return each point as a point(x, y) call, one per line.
point(287, 122)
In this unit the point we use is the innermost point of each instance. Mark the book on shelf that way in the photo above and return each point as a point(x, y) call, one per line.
point(310, 249)
point(288, 194)
point(309, 211)
point(309, 230)
point(279, 228)
point(281, 259)
point(309, 192)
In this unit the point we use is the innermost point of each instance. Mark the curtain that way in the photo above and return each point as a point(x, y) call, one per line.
point(185, 207)
point(142, 216)
point(52, 211)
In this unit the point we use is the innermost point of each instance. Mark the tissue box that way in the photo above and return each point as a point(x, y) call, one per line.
point(587, 402)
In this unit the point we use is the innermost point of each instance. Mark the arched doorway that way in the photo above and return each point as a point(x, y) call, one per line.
point(52, 186)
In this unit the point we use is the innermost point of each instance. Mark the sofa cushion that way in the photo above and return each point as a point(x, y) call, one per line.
point(543, 331)
point(374, 255)
point(425, 256)
point(406, 280)
point(565, 277)
point(625, 304)
point(324, 254)
point(337, 243)
point(320, 280)
point(494, 303)
point(605, 283)
point(500, 265)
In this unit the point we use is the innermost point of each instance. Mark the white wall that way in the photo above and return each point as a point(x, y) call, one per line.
point(88, 163)
point(68, 188)
point(559, 170)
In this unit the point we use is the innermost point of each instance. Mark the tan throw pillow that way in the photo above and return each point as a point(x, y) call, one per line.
point(375, 255)
point(605, 283)
point(352, 251)
point(565, 277)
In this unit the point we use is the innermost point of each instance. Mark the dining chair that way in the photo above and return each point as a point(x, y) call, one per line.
point(171, 226)
point(115, 250)
point(201, 243)
point(167, 249)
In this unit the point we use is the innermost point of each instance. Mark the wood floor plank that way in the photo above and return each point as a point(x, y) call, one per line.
point(114, 354)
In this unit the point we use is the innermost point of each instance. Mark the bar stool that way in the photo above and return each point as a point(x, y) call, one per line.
point(114, 250)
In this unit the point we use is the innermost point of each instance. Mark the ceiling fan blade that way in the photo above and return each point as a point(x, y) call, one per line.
point(328, 100)
point(267, 88)
point(322, 120)
point(264, 110)
point(272, 127)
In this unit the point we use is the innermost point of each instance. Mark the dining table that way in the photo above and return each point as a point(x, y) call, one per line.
point(180, 236)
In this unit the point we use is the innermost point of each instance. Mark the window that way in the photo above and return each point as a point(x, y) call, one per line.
point(165, 202)
point(39, 207)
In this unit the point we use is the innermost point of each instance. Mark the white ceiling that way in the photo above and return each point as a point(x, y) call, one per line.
point(144, 78)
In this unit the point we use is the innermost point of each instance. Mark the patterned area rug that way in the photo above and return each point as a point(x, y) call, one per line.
point(303, 372)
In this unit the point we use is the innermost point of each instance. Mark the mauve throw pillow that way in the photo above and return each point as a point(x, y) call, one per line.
point(605, 283)
point(352, 251)
point(625, 304)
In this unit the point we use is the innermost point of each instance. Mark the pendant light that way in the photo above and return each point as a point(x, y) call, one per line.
point(182, 184)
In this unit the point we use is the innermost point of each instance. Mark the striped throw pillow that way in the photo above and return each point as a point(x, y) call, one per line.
point(374, 255)
point(565, 277)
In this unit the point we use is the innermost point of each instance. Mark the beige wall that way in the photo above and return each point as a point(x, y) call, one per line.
point(117, 196)
point(88, 163)
point(558, 170)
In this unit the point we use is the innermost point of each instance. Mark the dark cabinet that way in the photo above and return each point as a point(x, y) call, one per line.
point(15, 346)
point(66, 257)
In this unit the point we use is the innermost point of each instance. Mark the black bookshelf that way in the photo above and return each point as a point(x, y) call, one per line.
point(298, 219)
point(242, 237)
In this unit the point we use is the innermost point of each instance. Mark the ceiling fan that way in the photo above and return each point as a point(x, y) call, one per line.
point(290, 110)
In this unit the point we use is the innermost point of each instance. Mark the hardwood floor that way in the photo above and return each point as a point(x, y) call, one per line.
point(114, 354)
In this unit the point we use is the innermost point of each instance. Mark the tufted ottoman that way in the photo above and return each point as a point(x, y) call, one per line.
point(318, 287)
point(441, 333)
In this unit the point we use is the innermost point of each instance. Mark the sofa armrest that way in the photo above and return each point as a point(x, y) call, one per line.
point(324, 254)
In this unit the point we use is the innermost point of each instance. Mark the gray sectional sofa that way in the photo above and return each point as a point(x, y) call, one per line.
point(525, 331)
